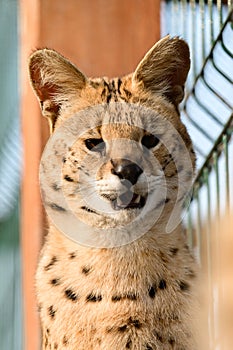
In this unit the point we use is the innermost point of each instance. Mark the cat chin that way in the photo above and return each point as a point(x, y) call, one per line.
point(121, 219)
point(113, 220)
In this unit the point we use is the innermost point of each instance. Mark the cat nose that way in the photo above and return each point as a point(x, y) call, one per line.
point(126, 170)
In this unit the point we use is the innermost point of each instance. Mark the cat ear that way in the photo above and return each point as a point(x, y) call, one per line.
point(54, 80)
point(164, 69)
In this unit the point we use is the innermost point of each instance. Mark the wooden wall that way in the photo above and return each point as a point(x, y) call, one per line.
point(102, 37)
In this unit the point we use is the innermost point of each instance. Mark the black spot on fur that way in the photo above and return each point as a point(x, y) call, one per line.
point(86, 270)
point(184, 286)
point(135, 323)
point(68, 178)
point(51, 311)
point(162, 284)
point(56, 207)
point(148, 347)
point(171, 341)
point(72, 255)
point(99, 340)
point(47, 330)
point(129, 344)
point(63, 159)
point(152, 291)
point(55, 281)
point(122, 328)
point(116, 297)
point(51, 263)
point(70, 294)
point(174, 251)
point(64, 340)
point(93, 298)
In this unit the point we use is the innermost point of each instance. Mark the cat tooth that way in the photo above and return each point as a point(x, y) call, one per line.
point(137, 199)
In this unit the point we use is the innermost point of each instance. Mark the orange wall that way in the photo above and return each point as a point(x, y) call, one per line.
point(31, 213)
point(103, 37)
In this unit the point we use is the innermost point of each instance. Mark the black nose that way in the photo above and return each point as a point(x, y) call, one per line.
point(126, 170)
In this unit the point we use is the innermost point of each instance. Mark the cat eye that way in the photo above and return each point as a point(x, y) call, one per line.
point(95, 145)
point(149, 141)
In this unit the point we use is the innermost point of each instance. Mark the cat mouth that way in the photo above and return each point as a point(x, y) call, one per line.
point(129, 200)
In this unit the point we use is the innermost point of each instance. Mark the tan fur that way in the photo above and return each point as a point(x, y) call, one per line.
point(139, 295)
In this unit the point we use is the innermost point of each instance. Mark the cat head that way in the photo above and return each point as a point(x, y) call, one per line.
point(124, 154)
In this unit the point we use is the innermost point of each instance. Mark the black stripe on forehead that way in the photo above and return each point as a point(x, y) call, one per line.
point(119, 82)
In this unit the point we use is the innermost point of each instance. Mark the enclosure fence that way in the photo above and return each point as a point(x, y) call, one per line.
point(208, 114)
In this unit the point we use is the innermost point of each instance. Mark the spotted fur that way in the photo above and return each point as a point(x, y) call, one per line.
point(137, 296)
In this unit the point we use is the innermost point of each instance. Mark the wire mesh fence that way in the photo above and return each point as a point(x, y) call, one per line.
point(208, 114)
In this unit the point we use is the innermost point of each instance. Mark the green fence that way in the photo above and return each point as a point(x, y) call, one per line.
point(10, 165)
point(208, 114)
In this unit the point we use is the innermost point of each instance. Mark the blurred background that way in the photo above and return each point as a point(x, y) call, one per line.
point(108, 37)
